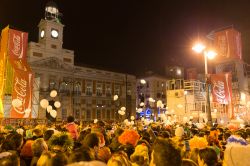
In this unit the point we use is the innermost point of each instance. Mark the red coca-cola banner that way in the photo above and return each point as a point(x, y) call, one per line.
point(18, 45)
point(222, 88)
point(23, 78)
point(228, 44)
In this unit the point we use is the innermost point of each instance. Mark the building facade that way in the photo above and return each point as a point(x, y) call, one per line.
point(84, 92)
point(153, 87)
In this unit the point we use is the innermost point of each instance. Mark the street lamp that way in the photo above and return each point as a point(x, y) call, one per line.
point(208, 54)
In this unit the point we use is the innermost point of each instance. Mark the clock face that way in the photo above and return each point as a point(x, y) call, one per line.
point(54, 33)
point(42, 33)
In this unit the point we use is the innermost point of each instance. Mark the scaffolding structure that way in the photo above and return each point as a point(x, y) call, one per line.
point(187, 98)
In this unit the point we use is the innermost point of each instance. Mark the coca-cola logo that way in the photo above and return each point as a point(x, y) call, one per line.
point(20, 88)
point(17, 47)
point(219, 91)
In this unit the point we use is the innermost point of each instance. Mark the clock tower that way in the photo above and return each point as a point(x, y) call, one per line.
point(50, 39)
point(50, 28)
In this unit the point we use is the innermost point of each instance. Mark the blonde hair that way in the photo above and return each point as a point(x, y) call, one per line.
point(119, 159)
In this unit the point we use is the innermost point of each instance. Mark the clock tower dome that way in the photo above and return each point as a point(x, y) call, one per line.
point(50, 28)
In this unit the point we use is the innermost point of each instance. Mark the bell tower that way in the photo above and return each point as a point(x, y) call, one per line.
point(50, 28)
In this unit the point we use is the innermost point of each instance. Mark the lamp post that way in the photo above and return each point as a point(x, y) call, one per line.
point(208, 54)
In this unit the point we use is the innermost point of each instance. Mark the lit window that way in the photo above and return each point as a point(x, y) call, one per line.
point(99, 89)
point(108, 91)
point(89, 88)
point(117, 90)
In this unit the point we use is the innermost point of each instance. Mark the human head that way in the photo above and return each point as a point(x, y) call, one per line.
point(70, 119)
point(18, 139)
point(165, 153)
point(9, 158)
point(8, 145)
point(83, 134)
point(140, 155)
point(38, 147)
point(128, 149)
point(91, 140)
point(194, 155)
point(61, 142)
point(207, 156)
point(37, 133)
point(60, 159)
point(164, 134)
point(236, 155)
point(81, 154)
point(48, 134)
point(119, 159)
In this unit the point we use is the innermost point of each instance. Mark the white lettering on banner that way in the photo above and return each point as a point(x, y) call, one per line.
point(20, 86)
point(219, 91)
point(17, 49)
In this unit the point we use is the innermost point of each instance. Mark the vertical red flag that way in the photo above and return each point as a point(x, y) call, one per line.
point(222, 88)
point(23, 77)
point(228, 44)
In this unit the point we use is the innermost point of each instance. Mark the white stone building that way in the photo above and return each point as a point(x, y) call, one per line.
point(86, 93)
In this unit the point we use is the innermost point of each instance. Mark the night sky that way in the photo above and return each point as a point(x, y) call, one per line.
point(133, 36)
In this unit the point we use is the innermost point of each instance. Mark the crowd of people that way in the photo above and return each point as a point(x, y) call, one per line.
point(100, 143)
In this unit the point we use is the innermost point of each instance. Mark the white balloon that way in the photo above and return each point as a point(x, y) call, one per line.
point(57, 104)
point(126, 120)
point(141, 104)
point(119, 112)
point(159, 103)
point(143, 81)
point(44, 103)
point(128, 123)
point(132, 118)
point(16, 102)
point(122, 112)
point(151, 99)
point(123, 108)
point(115, 97)
point(49, 108)
point(95, 120)
point(53, 113)
point(53, 93)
